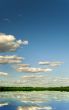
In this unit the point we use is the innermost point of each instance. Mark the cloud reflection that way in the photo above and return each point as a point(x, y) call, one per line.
point(3, 104)
point(34, 108)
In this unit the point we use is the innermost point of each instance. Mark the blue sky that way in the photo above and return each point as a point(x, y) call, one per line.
point(45, 24)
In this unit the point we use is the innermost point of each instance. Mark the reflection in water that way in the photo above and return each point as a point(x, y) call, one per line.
point(3, 104)
point(34, 108)
point(46, 100)
point(36, 96)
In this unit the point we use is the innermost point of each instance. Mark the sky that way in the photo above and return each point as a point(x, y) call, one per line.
point(38, 32)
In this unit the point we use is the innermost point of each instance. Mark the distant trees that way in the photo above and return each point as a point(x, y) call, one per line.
point(34, 89)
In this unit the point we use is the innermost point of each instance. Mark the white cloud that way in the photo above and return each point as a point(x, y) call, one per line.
point(25, 42)
point(44, 62)
point(3, 74)
point(10, 59)
point(53, 64)
point(33, 70)
point(10, 43)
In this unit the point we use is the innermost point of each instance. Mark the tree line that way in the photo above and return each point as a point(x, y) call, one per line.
point(34, 89)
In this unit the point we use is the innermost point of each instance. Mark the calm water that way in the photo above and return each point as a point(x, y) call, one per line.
point(34, 100)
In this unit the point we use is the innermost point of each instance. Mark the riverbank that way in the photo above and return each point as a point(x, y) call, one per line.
point(34, 89)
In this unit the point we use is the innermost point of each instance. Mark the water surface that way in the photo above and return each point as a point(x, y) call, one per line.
point(44, 100)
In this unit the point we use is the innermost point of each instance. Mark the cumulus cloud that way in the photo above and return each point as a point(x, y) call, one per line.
point(33, 70)
point(3, 74)
point(10, 59)
point(53, 64)
point(9, 43)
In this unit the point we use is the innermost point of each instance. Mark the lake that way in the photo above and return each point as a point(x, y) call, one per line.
point(44, 100)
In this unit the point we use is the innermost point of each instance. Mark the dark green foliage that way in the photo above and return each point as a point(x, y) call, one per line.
point(34, 89)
